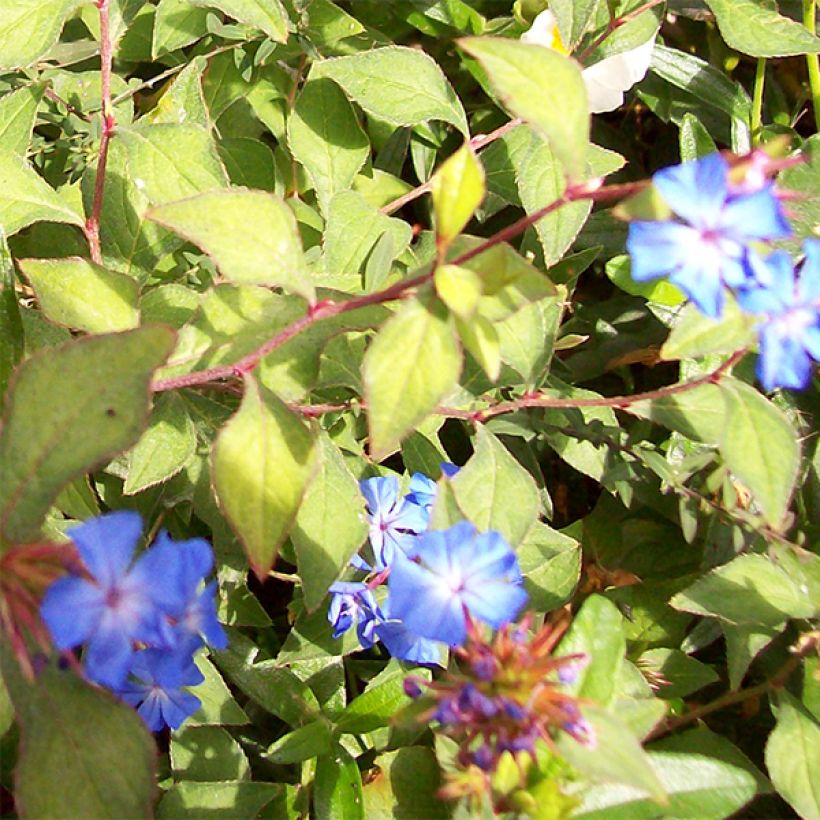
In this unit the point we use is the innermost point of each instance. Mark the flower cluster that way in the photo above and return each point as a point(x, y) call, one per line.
point(140, 622)
point(506, 695)
point(721, 214)
point(437, 581)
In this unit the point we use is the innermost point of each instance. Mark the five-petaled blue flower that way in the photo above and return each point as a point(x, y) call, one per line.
point(394, 521)
point(353, 603)
point(790, 329)
point(451, 573)
point(709, 245)
point(117, 604)
point(156, 687)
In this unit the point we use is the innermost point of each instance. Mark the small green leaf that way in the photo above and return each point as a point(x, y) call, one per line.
point(402, 86)
point(459, 288)
point(542, 87)
point(11, 325)
point(113, 777)
point(697, 786)
point(551, 565)
point(18, 112)
point(78, 294)
point(408, 369)
point(793, 755)
point(683, 673)
point(330, 525)
point(494, 491)
point(326, 138)
point(695, 140)
point(177, 24)
point(699, 413)
point(751, 590)
point(165, 446)
point(207, 753)
point(92, 397)
point(480, 340)
point(574, 18)
point(337, 787)
point(29, 28)
point(458, 189)
point(268, 16)
point(303, 743)
point(251, 235)
point(216, 801)
point(761, 447)
point(695, 335)
point(218, 704)
point(597, 631)
point(754, 27)
point(25, 198)
point(263, 460)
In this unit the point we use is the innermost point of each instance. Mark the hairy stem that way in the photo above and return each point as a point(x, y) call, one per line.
point(92, 224)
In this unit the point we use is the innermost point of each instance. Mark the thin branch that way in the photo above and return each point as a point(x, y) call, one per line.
point(92, 224)
point(56, 98)
point(614, 24)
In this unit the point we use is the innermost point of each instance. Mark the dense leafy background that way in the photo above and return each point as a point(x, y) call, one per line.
point(269, 162)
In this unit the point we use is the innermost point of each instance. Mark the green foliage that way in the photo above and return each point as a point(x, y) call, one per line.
point(253, 252)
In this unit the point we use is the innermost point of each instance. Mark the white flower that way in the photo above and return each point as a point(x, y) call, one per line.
point(606, 80)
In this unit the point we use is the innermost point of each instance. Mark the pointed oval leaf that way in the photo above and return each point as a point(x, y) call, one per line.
point(408, 369)
point(79, 294)
point(457, 188)
point(92, 400)
point(542, 87)
point(760, 447)
point(18, 112)
point(251, 235)
point(263, 460)
point(268, 16)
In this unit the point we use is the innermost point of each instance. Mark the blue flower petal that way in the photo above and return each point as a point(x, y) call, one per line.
point(106, 544)
point(108, 656)
point(754, 216)
point(696, 191)
point(72, 609)
point(658, 248)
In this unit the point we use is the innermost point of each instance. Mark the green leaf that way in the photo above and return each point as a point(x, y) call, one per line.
point(29, 28)
point(25, 198)
point(495, 492)
point(92, 400)
point(804, 211)
point(113, 777)
point(697, 786)
point(542, 87)
point(408, 369)
point(699, 413)
point(407, 787)
point(551, 565)
point(574, 18)
point(239, 800)
point(251, 235)
point(617, 757)
point(165, 446)
point(11, 325)
point(78, 294)
point(597, 631)
point(218, 705)
point(684, 674)
point(263, 460)
point(301, 744)
point(761, 447)
point(330, 525)
point(324, 135)
point(249, 162)
point(275, 688)
point(207, 753)
point(402, 86)
point(754, 27)
point(177, 24)
point(660, 291)
point(694, 335)
point(751, 590)
point(184, 101)
point(793, 755)
point(695, 140)
point(18, 112)
point(337, 787)
point(460, 289)
point(457, 188)
point(266, 15)
point(168, 162)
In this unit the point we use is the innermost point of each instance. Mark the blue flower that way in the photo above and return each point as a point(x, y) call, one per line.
point(117, 603)
point(191, 605)
point(351, 602)
point(394, 521)
point(423, 489)
point(406, 645)
point(708, 246)
point(156, 686)
point(790, 329)
point(455, 572)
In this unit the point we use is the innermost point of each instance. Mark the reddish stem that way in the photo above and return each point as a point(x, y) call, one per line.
point(92, 225)
point(614, 24)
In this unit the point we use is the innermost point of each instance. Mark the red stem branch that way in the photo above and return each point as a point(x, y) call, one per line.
point(614, 24)
point(92, 224)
